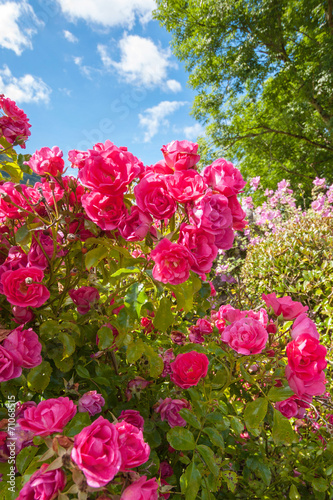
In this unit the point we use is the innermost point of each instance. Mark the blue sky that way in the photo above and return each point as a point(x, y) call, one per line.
point(89, 70)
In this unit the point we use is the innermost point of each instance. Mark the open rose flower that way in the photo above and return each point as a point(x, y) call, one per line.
point(222, 176)
point(84, 297)
point(211, 213)
point(292, 407)
point(10, 364)
point(302, 387)
point(49, 416)
point(92, 402)
point(246, 336)
point(172, 262)
point(26, 344)
point(201, 245)
point(132, 417)
point(181, 155)
point(23, 287)
point(15, 126)
point(169, 410)
point(306, 357)
point(284, 305)
point(105, 210)
point(141, 490)
point(43, 484)
point(133, 449)
point(96, 452)
point(13, 204)
point(186, 185)
point(189, 368)
point(152, 196)
point(47, 161)
point(135, 225)
point(303, 324)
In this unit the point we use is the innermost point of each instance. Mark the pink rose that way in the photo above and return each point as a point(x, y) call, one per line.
point(169, 410)
point(135, 226)
point(177, 337)
point(204, 326)
point(22, 315)
point(165, 469)
point(225, 239)
point(132, 417)
point(73, 189)
point(133, 449)
point(302, 387)
point(43, 484)
point(186, 185)
point(292, 407)
point(16, 259)
point(189, 368)
point(10, 364)
point(238, 214)
point(84, 298)
point(230, 314)
point(172, 262)
point(26, 344)
point(306, 357)
point(15, 126)
point(105, 210)
point(284, 305)
point(181, 155)
point(245, 336)
point(51, 191)
point(303, 324)
point(47, 161)
point(195, 335)
point(211, 213)
point(41, 250)
point(96, 452)
point(109, 169)
point(201, 245)
point(260, 315)
point(23, 287)
point(13, 204)
point(48, 417)
point(141, 490)
point(21, 407)
point(222, 176)
point(91, 402)
point(77, 158)
point(152, 196)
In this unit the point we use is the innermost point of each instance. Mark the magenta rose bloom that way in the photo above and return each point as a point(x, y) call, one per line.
point(84, 298)
point(181, 155)
point(96, 452)
point(132, 417)
point(22, 315)
point(91, 402)
point(105, 210)
point(15, 126)
point(307, 388)
point(306, 357)
point(26, 344)
point(23, 287)
point(292, 407)
point(10, 364)
point(284, 305)
point(109, 169)
point(8, 194)
point(211, 213)
point(51, 191)
point(133, 449)
point(165, 469)
point(141, 490)
point(169, 410)
point(186, 185)
point(189, 368)
point(201, 245)
point(172, 262)
point(222, 176)
point(225, 239)
point(303, 324)
point(135, 226)
point(40, 253)
point(43, 485)
point(48, 417)
point(230, 314)
point(16, 259)
point(47, 161)
point(152, 196)
point(238, 214)
point(245, 336)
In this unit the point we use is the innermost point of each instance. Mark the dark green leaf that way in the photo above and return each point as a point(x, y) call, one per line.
point(255, 412)
point(208, 456)
point(190, 482)
point(181, 439)
point(135, 351)
point(190, 418)
point(215, 436)
point(39, 377)
point(93, 257)
point(25, 457)
point(78, 422)
point(282, 431)
point(279, 393)
point(163, 317)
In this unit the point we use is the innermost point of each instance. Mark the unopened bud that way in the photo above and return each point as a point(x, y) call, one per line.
point(67, 219)
point(18, 188)
point(52, 185)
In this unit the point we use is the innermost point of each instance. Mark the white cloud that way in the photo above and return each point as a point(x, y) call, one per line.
point(85, 70)
point(70, 37)
point(18, 23)
point(67, 92)
point(108, 12)
point(173, 85)
point(141, 62)
point(27, 88)
point(194, 131)
point(153, 118)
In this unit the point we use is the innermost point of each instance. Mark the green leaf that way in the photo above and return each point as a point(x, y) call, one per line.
point(106, 337)
point(78, 422)
point(156, 364)
point(293, 493)
point(24, 458)
point(190, 482)
point(22, 234)
point(236, 425)
point(125, 271)
point(282, 431)
point(265, 473)
point(39, 377)
point(135, 298)
point(209, 458)
point(255, 412)
point(68, 344)
point(181, 439)
point(135, 351)
point(190, 418)
point(215, 437)
point(279, 393)
point(93, 257)
point(231, 479)
point(163, 317)
point(82, 371)
point(320, 484)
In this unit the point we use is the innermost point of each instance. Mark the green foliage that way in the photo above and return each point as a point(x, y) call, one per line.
point(262, 72)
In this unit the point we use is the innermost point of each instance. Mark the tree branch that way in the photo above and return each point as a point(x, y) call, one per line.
point(329, 14)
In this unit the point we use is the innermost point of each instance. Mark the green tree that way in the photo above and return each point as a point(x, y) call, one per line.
point(263, 72)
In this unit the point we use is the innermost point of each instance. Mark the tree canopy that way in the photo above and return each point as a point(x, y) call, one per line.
point(263, 72)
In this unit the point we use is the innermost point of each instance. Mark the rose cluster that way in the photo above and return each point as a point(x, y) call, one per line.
point(14, 123)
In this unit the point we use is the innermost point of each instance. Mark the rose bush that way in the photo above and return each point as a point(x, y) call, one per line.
point(123, 378)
